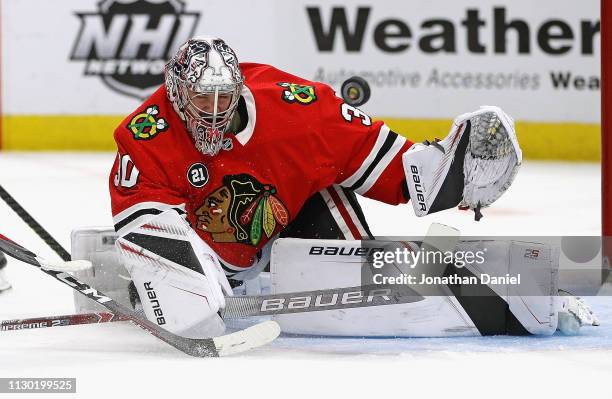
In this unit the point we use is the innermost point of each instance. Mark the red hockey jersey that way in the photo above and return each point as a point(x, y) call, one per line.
point(300, 138)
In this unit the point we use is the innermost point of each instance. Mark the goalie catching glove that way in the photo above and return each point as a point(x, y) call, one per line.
point(471, 167)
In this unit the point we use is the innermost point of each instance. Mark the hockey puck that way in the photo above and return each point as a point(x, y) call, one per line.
point(355, 91)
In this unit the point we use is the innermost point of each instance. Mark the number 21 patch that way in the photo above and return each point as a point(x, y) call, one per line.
point(197, 175)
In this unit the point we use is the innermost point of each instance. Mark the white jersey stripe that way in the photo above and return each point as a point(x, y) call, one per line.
point(134, 224)
point(351, 211)
point(382, 165)
point(145, 205)
point(244, 136)
point(382, 136)
point(127, 214)
point(337, 216)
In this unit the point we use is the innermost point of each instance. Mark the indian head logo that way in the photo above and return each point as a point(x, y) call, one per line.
point(126, 43)
point(242, 210)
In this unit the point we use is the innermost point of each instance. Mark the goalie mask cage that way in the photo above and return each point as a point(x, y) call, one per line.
point(606, 133)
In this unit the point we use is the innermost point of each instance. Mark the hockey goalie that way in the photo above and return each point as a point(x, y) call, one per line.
point(229, 165)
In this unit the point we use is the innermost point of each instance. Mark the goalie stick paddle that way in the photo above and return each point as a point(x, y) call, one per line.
point(240, 341)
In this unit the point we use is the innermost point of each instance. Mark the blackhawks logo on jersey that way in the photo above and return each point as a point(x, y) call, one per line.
point(146, 125)
point(298, 93)
point(242, 210)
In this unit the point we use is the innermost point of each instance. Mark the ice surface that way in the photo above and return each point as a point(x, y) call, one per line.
point(67, 190)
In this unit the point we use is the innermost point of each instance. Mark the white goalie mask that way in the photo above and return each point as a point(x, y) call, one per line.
point(203, 83)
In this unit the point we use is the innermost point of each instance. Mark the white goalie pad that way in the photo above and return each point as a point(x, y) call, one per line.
point(533, 299)
point(109, 275)
point(97, 245)
point(304, 265)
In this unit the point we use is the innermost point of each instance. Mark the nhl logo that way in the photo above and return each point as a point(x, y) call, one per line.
point(126, 43)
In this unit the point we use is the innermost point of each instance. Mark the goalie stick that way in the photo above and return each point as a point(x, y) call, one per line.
point(60, 321)
point(240, 341)
point(248, 306)
point(34, 225)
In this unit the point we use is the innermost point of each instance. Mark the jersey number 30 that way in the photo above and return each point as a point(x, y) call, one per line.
point(349, 112)
point(127, 173)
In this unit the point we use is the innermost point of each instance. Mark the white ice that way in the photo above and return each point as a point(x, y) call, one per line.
point(65, 190)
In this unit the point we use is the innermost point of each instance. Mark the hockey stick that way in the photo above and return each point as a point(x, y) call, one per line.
point(60, 321)
point(237, 342)
point(247, 306)
point(34, 225)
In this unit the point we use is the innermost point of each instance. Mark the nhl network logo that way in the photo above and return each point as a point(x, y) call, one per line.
point(127, 42)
